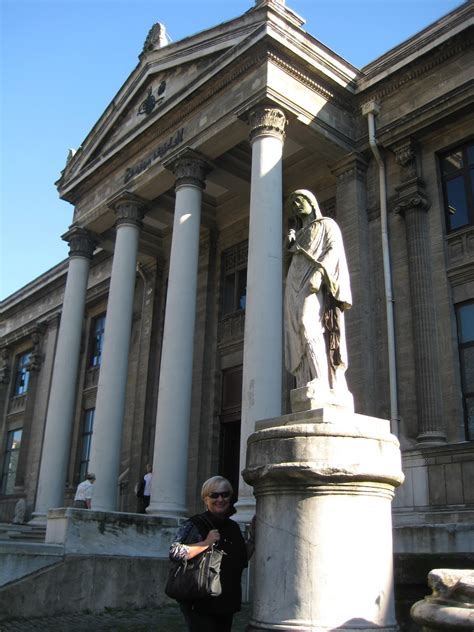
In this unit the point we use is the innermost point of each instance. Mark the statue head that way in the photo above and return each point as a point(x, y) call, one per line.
point(304, 204)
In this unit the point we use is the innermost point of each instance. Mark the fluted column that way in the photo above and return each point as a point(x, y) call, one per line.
point(351, 208)
point(413, 205)
point(60, 415)
point(262, 368)
point(109, 411)
point(175, 387)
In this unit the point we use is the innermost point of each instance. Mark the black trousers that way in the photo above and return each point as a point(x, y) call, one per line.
point(199, 622)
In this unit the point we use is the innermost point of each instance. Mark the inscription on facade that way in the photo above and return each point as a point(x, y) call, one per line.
point(172, 142)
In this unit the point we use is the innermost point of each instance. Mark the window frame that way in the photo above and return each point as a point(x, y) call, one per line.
point(8, 452)
point(468, 182)
point(87, 430)
point(94, 359)
point(22, 373)
point(466, 395)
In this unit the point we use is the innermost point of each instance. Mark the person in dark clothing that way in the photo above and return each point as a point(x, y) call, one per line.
point(214, 614)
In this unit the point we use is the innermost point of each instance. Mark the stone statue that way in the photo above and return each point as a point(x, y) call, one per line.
point(20, 511)
point(317, 293)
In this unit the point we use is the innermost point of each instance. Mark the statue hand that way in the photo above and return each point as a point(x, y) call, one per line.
point(316, 281)
point(291, 235)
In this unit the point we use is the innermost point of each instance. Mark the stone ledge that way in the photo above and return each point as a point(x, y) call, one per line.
point(82, 531)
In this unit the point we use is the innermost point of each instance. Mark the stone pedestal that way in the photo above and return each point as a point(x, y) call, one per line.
point(323, 481)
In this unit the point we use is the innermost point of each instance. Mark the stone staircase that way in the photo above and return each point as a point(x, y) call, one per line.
point(22, 533)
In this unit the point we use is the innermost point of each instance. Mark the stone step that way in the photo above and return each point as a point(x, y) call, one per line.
point(24, 532)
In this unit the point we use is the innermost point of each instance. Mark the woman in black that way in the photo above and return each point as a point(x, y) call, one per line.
point(214, 614)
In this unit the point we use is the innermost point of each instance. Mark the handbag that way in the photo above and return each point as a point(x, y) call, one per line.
point(197, 578)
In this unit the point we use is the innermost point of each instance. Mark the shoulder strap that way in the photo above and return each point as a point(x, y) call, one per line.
point(202, 524)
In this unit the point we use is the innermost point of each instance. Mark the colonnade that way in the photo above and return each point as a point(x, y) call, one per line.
point(263, 345)
point(262, 362)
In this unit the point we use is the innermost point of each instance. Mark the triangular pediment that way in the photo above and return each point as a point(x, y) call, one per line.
point(161, 79)
point(170, 76)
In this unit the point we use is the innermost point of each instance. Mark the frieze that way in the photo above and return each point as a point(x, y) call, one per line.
point(173, 141)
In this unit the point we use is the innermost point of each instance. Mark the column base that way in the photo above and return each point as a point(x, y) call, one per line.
point(166, 510)
point(430, 439)
point(357, 625)
point(38, 519)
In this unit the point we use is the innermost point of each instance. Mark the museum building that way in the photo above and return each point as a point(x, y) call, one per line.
point(160, 338)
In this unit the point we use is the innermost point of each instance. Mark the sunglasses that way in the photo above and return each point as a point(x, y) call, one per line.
point(215, 495)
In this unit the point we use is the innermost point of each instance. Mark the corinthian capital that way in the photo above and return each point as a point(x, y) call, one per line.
point(190, 167)
point(267, 121)
point(81, 242)
point(415, 201)
point(129, 208)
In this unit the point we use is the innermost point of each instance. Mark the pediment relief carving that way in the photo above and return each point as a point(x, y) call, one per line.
point(138, 105)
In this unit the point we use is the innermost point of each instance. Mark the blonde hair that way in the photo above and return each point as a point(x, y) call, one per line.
point(212, 483)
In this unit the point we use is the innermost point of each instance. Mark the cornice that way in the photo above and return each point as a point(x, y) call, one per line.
point(388, 84)
point(319, 87)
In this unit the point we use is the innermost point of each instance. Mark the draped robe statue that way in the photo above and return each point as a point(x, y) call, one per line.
point(316, 294)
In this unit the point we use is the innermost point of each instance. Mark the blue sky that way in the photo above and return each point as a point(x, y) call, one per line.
point(62, 62)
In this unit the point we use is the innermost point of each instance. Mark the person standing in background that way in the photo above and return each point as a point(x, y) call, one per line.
point(83, 497)
point(147, 488)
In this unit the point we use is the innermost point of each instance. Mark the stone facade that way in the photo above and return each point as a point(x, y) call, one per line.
point(187, 140)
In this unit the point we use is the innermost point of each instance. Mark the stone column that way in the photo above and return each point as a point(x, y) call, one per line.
point(175, 387)
point(110, 403)
point(351, 209)
point(324, 480)
point(262, 366)
point(413, 206)
point(62, 399)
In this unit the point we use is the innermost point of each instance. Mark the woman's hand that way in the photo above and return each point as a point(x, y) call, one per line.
point(212, 537)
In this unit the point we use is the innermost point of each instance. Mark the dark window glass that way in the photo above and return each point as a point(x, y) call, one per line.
point(86, 439)
point(22, 374)
point(457, 169)
point(234, 279)
point(241, 288)
point(10, 461)
point(457, 203)
point(466, 322)
point(97, 340)
point(465, 318)
point(470, 154)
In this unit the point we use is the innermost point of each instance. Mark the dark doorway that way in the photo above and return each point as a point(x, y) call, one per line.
point(229, 439)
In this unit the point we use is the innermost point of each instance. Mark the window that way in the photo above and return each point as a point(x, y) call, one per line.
point(10, 461)
point(86, 439)
point(234, 280)
point(465, 317)
point(97, 341)
point(457, 170)
point(22, 374)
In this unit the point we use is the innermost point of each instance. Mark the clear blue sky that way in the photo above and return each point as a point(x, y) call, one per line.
point(62, 62)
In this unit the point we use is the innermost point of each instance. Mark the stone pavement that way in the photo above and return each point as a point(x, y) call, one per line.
point(165, 619)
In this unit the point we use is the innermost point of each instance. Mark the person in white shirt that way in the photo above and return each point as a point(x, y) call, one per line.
point(147, 489)
point(83, 497)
